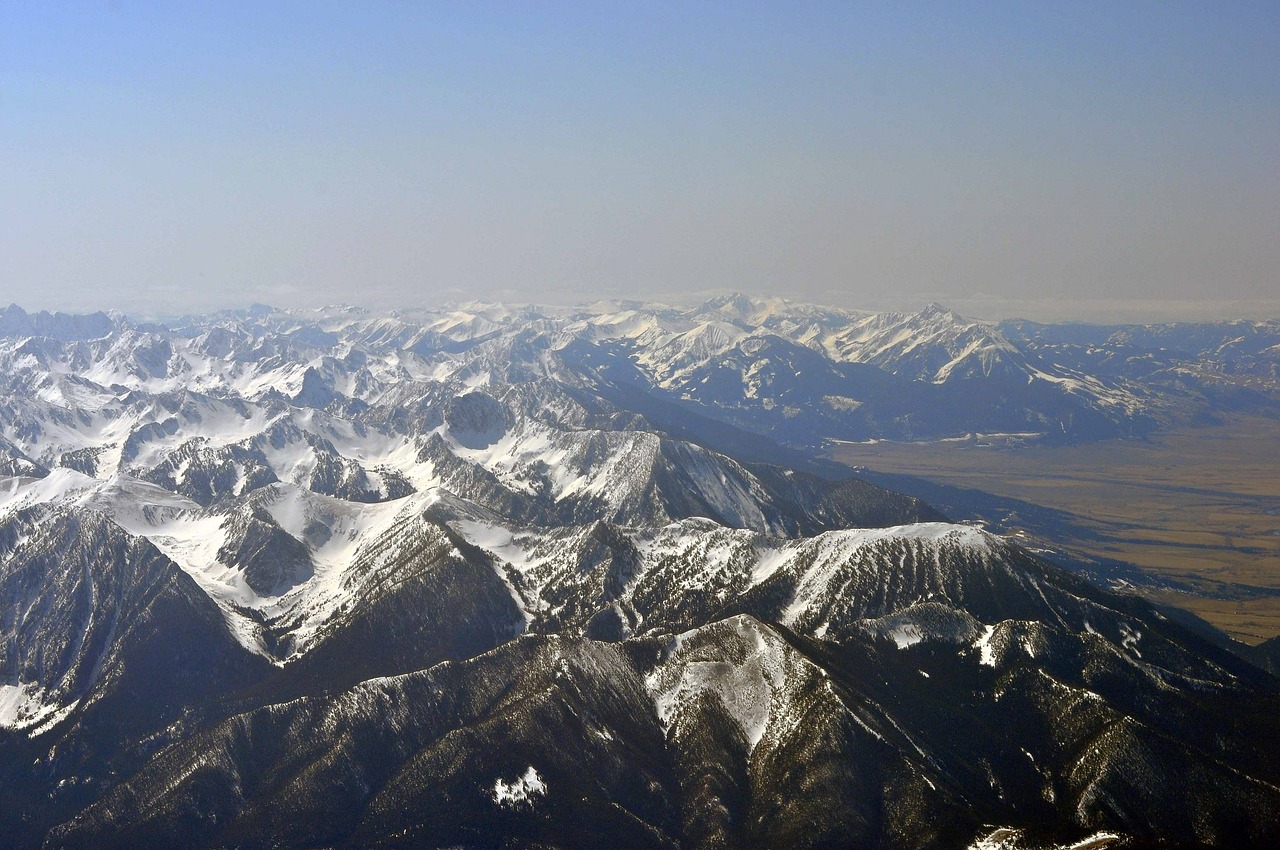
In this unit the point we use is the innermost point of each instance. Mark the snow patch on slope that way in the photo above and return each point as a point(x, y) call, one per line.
point(747, 689)
point(521, 791)
point(27, 706)
point(986, 652)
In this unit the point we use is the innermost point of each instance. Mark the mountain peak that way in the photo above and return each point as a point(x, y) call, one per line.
point(934, 310)
point(735, 305)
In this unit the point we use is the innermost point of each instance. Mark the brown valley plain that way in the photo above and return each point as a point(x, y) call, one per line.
point(1197, 505)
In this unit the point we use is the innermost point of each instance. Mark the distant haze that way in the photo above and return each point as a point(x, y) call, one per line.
point(1076, 160)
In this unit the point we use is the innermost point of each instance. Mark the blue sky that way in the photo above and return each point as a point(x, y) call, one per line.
point(1055, 160)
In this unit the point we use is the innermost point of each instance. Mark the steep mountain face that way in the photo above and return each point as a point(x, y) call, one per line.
point(513, 577)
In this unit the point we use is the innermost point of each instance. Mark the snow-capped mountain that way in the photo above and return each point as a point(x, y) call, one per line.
point(563, 577)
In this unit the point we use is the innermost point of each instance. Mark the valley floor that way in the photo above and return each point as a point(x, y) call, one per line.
point(1198, 505)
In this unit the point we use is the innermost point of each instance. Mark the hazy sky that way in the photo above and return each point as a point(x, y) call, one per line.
point(1074, 159)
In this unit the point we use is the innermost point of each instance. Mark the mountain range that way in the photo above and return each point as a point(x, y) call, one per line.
point(515, 576)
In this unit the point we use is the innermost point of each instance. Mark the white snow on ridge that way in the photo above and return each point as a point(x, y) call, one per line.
point(59, 485)
point(707, 555)
point(835, 548)
point(1090, 387)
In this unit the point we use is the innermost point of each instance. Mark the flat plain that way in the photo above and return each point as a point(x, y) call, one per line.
point(1198, 507)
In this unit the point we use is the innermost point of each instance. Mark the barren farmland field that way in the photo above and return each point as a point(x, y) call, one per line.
point(1198, 507)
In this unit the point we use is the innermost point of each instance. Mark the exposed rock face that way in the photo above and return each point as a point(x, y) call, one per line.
point(475, 419)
